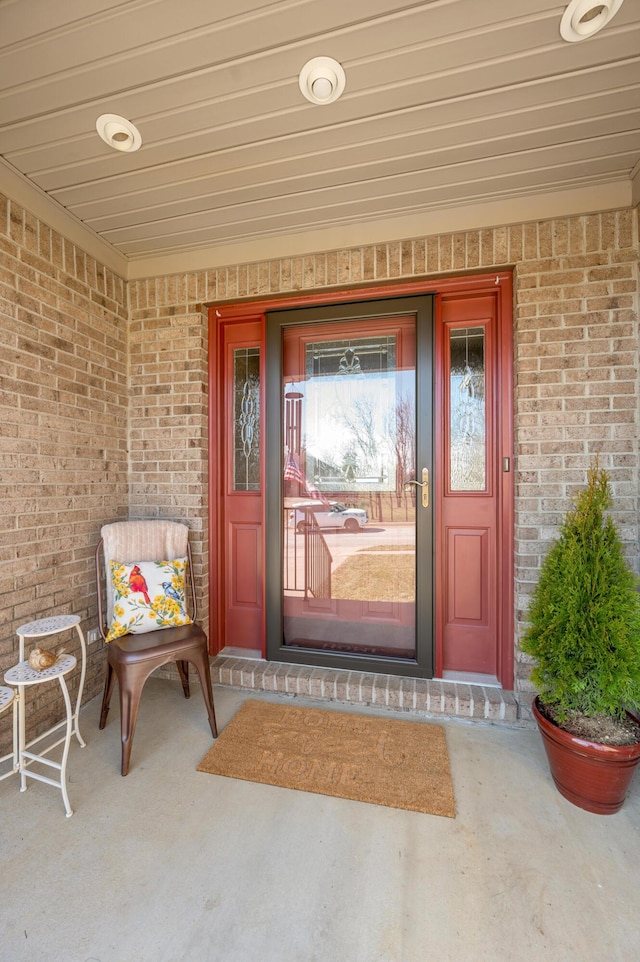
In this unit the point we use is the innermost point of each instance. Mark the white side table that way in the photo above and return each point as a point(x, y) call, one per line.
point(53, 626)
point(9, 699)
point(23, 676)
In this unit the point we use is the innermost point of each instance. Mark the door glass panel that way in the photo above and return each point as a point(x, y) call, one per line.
point(467, 466)
point(348, 519)
point(246, 419)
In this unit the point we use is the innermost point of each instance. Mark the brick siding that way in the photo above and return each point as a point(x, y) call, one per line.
point(104, 391)
point(63, 423)
point(168, 425)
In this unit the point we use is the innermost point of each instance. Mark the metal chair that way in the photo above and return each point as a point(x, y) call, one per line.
point(133, 657)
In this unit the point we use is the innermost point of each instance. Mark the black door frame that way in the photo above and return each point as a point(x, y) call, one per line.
point(276, 321)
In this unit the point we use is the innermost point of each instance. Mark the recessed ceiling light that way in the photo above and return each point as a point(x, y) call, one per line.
point(322, 80)
point(584, 18)
point(118, 132)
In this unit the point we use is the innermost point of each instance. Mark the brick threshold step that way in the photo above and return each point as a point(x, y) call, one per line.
point(430, 697)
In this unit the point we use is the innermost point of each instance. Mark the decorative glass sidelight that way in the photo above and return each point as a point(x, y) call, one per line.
point(246, 414)
point(467, 404)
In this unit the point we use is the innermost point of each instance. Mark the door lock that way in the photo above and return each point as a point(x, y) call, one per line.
point(423, 485)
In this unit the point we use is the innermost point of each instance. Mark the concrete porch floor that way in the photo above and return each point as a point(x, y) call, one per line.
point(170, 864)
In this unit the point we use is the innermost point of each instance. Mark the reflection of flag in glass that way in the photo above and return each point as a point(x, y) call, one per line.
point(293, 472)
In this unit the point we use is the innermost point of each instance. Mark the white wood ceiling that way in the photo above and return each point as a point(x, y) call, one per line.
point(448, 103)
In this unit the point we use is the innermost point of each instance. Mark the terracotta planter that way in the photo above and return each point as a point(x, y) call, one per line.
point(592, 776)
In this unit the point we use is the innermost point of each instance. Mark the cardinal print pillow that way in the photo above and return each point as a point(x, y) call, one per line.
point(147, 595)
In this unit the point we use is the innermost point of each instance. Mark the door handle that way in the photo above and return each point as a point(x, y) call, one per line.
point(423, 485)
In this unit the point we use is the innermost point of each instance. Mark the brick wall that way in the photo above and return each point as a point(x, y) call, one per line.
point(576, 354)
point(63, 416)
point(76, 383)
point(168, 413)
point(577, 388)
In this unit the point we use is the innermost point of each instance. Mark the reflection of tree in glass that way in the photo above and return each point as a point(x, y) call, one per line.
point(350, 463)
point(403, 435)
point(360, 421)
point(371, 444)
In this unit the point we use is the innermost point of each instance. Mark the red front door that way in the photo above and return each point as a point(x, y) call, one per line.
point(237, 487)
point(355, 535)
point(470, 484)
point(474, 473)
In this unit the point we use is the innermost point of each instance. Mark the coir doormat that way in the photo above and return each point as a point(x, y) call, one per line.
point(400, 764)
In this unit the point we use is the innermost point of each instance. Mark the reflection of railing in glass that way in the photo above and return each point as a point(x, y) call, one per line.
point(317, 561)
point(467, 422)
point(246, 433)
point(307, 561)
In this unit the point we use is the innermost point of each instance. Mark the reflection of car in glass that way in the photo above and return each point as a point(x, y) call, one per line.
point(331, 515)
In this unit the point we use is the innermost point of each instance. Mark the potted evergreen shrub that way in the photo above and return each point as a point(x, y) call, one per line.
point(584, 634)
